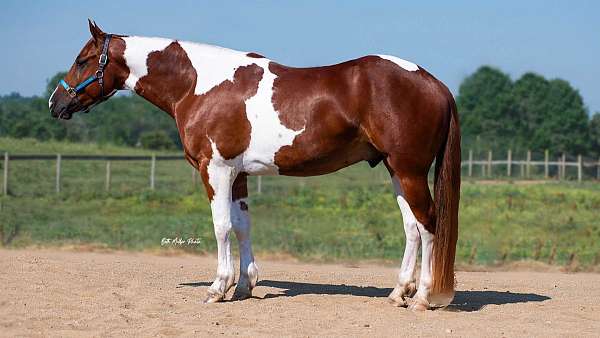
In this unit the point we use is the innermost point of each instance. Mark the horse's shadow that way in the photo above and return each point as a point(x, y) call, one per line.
point(464, 301)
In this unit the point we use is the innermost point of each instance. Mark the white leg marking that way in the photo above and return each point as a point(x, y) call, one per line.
point(221, 177)
point(422, 297)
point(406, 276)
point(248, 269)
point(136, 53)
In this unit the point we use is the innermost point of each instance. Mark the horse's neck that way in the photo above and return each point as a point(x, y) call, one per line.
point(165, 85)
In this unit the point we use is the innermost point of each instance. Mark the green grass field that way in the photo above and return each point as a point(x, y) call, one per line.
point(347, 215)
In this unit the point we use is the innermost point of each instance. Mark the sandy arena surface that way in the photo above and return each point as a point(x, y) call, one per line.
point(65, 293)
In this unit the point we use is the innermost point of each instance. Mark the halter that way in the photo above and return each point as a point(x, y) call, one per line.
point(99, 75)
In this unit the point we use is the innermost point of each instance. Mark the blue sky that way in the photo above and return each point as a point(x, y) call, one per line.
point(449, 38)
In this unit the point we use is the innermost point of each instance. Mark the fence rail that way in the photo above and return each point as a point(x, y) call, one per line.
point(486, 166)
point(526, 165)
point(59, 158)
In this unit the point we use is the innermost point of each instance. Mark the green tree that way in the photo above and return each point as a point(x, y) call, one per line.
point(486, 108)
point(566, 124)
point(158, 140)
point(552, 114)
point(531, 105)
point(595, 134)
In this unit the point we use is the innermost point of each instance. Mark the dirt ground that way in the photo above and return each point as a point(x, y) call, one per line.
point(65, 293)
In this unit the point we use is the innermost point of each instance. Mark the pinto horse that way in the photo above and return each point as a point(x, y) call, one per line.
point(241, 114)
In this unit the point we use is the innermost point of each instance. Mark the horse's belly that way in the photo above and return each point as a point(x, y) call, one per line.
point(295, 162)
point(300, 161)
point(256, 163)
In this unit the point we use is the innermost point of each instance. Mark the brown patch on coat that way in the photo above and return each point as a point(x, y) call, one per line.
point(163, 65)
point(219, 114)
point(255, 55)
point(203, 167)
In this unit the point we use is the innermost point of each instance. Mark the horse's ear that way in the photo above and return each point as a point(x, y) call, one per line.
point(95, 30)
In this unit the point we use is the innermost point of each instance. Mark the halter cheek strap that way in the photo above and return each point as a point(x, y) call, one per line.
point(98, 76)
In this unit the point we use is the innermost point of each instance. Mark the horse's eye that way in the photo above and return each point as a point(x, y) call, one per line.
point(80, 62)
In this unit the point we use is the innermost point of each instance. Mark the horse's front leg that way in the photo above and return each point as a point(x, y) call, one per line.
point(218, 180)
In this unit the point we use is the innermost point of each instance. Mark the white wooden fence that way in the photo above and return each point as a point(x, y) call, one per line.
point(528, 164)
point(486, 166)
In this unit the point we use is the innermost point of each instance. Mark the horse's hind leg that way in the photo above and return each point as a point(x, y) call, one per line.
point(406, 277)
point(240, 219)
point(417, 211)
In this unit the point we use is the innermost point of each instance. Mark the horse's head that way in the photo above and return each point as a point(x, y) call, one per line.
point(97, 73)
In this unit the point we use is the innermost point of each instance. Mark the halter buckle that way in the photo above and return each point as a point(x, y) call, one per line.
point(99, 74)
point(71, 91)
point(103, 59)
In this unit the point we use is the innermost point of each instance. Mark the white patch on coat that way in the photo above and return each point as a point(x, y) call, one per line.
point(411, 67)
point(213, 64)
point(136, 53)
point(268, 134)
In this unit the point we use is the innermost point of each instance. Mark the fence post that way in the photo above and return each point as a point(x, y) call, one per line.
point(546, 155)
point(152, 171)
point(597, 170)
point(522, 169)
point(58, 161)
point(471, 163)
point(564, 167)
point(5, 176)
point(483, 165)
point(559, 168)
point(508, 162)
point(579, 168)
point(489, 163)
point(107, 182)
point(528, 167)
point(259, 185)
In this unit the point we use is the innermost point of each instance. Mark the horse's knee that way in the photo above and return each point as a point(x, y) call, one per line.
point(222, 231)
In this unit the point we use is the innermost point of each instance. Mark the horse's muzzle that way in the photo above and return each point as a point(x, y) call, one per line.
point(63, 107)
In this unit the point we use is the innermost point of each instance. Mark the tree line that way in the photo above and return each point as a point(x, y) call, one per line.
point(124, 120)
point(531, 113)
point(496, 113)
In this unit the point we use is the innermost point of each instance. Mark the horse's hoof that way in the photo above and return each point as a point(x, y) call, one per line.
point(418, 305)
point(213, 297)
point(401, 294)
point(398, 302)
point(241, 294)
